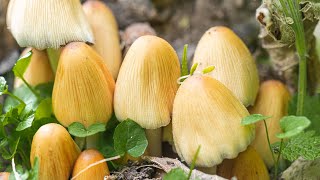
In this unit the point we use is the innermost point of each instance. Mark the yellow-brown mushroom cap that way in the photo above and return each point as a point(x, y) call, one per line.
point(207, 114)
point(235, 66)
point(146, 83)
point(83, 88)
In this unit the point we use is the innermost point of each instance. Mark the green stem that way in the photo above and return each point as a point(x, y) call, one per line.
point(302, 85)
point(278, 159)
point(14, 96)
point(31, 89)
point(53, 55)
point(268, 138)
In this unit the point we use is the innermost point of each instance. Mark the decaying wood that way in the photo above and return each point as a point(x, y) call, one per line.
point(302, 170)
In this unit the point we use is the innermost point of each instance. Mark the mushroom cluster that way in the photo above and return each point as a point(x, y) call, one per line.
point(91, 83)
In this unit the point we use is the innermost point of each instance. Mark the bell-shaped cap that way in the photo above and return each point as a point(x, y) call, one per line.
point(86, 158)
point(47, 24)
point(83, 88)
point(273, 100)
point(106, 34)
point(207, 114)
point(247, 166)
point(56, 150)
point(147, 83)
point(39, 70)
point(235, 66)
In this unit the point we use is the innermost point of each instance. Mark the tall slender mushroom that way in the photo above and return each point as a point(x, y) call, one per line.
point(48, 24)
point(106, 33)
point(83, 88)
point(146, 87)
point(39, 70)
point(207, 114)
point(273, 100)
point(235, 67)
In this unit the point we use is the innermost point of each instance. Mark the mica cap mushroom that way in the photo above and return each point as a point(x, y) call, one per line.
point(83, 88)
point(207, 114)
point(235, 66)
point(106, 34)
point(47, 24)
point(146, 86)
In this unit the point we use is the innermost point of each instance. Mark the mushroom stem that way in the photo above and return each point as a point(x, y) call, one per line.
point(208, 170)
point(154, 137)
point(91, 141)
point(53, 55)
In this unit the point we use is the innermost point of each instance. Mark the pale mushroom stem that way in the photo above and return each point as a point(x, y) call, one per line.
point(91, 141)
point(154, 137)
point(208, 170)
point(54, 55)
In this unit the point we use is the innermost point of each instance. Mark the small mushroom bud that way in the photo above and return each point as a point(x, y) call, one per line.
point(106, 35)
point(4, 176)
point(39, 70)
point(146, 86)
point(235, 67)
point(87, 158)
point(247, 166)
point(83, 87)
point(56, 150)
point(207, 114)
point(273, 99)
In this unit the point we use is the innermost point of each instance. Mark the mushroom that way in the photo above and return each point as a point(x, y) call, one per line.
point(39, 70)
point(83, 88)
point(82, 169)
point(105, 31)
point(247, 166)
point(235, 67)
point(4, 175)
point(273, 100)
point(207, 114)
point(146, 87)
point(56, 151)
point(48, 24)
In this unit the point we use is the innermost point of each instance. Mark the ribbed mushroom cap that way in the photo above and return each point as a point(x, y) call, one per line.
point(207, 114)
point(146, 83)
point(56, 150)
point(235, 67)
point(273, 100)
point(47, 24)
point(39, 70)
point(106, 35)
point(247, 166)
point(87, 158)
point(83, 88)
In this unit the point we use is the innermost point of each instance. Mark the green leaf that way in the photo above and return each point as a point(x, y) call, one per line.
point(22, 64)
point(27, 123)
point(45, 89)
point(3, 85)
point(176, 174)
point(306, 145)
point(13, 146)
point(77, 129)
point(253, 118)
point(44, 109)
point(292, 125)
point(184, 61)
point(311, 110)
point(24, 93)
point(105, 143)
point(130, 138)
point(208, 69)
point(193, 68)
point(34, 172)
